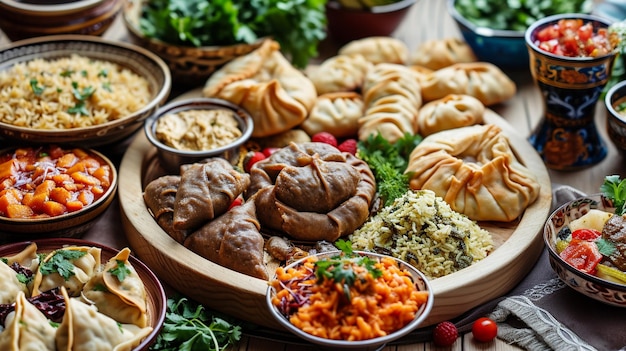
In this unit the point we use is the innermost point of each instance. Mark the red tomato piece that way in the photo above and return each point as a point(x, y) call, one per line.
point(548, 33)
point(586, 234)
point(484, 329)
point(582, 255)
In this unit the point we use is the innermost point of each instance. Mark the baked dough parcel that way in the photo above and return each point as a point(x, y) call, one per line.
point(264, 83)
point(340, 73)
point(474, 170)
point(452, 111)
point(482, 80)
point(439, 53)
point(392, 99)
point(378, 50)
point(312, 191)
point(335, 113)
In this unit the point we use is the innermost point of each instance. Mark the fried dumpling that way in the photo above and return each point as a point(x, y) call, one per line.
point(264, 83)
point(482, 80)
point(475, 171)
point(340, 73)
point(84, 328)
point(27, 258)
point(232, 240)
point(118, 291)
point(439, 53)
point(206, 190)
point(312, 191)
point(449, 112)
point(392, 100)
point(70, 267)
point(160, 197)
point(378, 49)
point(335, 113)
point(27, 328)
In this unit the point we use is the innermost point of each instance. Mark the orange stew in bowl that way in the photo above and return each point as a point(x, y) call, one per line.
point(50, 181)
point(573, 38)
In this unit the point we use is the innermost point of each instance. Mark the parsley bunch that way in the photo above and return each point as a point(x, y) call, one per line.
point(614, 189)
point(388, 163)
point(298, 25)
point(61, 262)
point(189, 326)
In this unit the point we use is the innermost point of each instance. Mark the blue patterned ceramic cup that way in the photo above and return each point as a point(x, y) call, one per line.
point(567, 137)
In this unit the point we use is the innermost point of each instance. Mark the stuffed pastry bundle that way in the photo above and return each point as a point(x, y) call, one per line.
point(341, 73)
point(474, 170)
point(264, 83)
point(439, 53)
point(452, 111)
point(378, 50)
point(312, 191)
point(335, 113)
point(482, 80)
point(392, 99)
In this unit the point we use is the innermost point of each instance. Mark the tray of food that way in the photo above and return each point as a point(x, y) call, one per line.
point(497, 191)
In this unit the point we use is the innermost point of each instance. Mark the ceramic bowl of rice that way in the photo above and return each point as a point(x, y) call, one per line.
point(78, 89)
point(387, 300)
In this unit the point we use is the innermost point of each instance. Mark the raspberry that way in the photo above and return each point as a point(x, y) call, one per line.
point(445, 334)
point(349, 145)
point(251, 160)
point(325, 137)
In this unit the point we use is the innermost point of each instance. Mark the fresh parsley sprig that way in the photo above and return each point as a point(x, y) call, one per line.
point(614, 189)
point(62, 262)
point(120, 271)
point(190, 326)
point(340, 268)
point(388, 163)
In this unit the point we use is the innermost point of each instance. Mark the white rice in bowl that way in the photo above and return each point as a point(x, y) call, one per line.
point(421, 229)
point(69, 92)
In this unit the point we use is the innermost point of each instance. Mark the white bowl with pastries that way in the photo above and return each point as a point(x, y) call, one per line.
point(190, 130)
point(307, 194)
point(87, 315)
point(100, 91)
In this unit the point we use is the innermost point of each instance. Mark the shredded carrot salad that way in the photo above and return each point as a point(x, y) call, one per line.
point(380, 299)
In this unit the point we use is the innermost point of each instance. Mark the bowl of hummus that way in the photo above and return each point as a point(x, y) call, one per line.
point(190, 130)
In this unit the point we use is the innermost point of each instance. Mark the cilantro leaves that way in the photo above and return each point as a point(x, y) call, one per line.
point(120, 270)
point(189, 326)
point(61, 262)
point(614, 189)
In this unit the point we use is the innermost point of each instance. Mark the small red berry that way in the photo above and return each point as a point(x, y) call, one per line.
point(445, 334)
point(324, 137)
point(254, 158)
point(484, 329)
point(268, 151)
point(238, 201)
point(349, 145)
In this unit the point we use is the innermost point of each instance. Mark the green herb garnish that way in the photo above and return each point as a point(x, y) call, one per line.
point(120, 270)
point(614, 189)
point(189, 326)
point(61, 262)
point(340, 268)
point(37, 89)
point(67, 73)
point(81, 96)
point(388, 163)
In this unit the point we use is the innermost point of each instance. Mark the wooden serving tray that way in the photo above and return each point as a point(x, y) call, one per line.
point(517, 248)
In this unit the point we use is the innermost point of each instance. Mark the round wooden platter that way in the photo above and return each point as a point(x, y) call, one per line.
point(517, 248)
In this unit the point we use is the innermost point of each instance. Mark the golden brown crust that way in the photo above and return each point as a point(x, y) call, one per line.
point(451, 111)
point(475, 171)
point(439, 53)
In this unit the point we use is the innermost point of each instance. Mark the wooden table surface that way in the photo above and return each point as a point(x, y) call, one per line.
point(428, 19)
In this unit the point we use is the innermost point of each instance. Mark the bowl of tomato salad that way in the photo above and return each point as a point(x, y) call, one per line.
point(349, 299)
point(52, 191)
point(586, 242)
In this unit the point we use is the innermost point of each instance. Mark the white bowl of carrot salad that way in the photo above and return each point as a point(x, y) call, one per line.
point(349, 299)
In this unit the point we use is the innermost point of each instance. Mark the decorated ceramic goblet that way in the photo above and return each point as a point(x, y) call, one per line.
point(567, 137)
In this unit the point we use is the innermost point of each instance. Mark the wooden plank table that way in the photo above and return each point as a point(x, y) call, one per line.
point(428, 19)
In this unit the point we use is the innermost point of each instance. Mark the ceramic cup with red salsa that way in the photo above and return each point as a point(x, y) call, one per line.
point(573, 37)
point(41, 182)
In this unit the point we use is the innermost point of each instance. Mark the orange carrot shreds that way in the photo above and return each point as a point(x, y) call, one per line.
point(371, 299)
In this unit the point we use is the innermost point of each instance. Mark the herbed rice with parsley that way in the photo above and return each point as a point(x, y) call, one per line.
point(421, 229)
point(69, 92)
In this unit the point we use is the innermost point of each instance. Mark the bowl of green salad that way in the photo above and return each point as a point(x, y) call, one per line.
point(494, 29)
point(197, 37)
